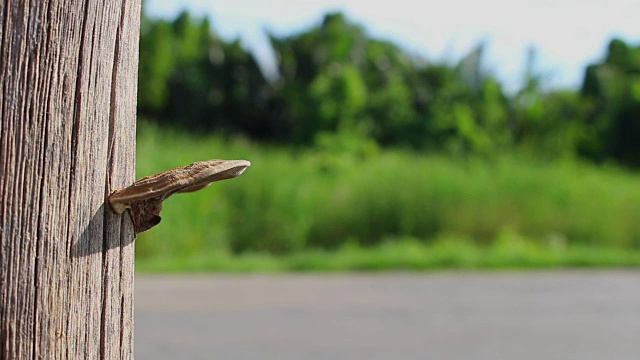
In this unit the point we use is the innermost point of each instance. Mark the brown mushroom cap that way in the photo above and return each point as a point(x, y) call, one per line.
point(154, 189)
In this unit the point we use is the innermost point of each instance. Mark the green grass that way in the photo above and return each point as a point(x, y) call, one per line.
point(355, 209)
point(408, 255)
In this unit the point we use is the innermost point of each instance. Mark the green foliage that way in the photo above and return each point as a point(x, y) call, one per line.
point(156, 64)
point(396, 163)
point(314, 200)
point(613, 89)
point(509, 251)
point(335, 79)
point(191, 78)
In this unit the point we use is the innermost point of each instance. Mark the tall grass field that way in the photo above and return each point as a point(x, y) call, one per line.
point(336, 208)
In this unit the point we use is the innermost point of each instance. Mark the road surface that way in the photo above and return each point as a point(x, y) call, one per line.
point(529, 315)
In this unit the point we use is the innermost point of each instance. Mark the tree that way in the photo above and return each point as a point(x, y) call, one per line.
point(67, 140)
point(547, 123)
point(613, 89)
point(335, 78)
point(190, 77)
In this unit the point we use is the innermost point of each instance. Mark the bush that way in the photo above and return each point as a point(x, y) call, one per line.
point(290, 201)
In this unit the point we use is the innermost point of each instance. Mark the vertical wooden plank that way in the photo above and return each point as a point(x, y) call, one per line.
point(67, 139)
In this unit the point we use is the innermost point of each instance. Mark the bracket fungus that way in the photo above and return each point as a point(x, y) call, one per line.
point(144, 198)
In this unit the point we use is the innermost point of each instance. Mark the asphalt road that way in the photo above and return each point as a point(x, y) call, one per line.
point(541, 315)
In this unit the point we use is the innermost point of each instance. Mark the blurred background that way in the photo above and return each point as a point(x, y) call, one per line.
point(397, 136)
point(405, 136)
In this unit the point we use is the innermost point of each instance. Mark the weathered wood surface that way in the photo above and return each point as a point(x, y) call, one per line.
point(67, 140)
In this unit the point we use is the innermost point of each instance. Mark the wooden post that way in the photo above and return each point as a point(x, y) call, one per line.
point(67, 140)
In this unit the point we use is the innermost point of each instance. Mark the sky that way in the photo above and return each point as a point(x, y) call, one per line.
point(567, 34)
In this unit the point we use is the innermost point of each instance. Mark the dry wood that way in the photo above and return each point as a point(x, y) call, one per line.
point(67, 140)
point(144, 198)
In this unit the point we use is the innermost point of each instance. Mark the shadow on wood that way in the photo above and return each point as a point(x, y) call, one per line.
point(95, 238)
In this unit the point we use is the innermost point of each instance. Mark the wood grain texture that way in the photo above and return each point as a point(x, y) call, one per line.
point(67, 140)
